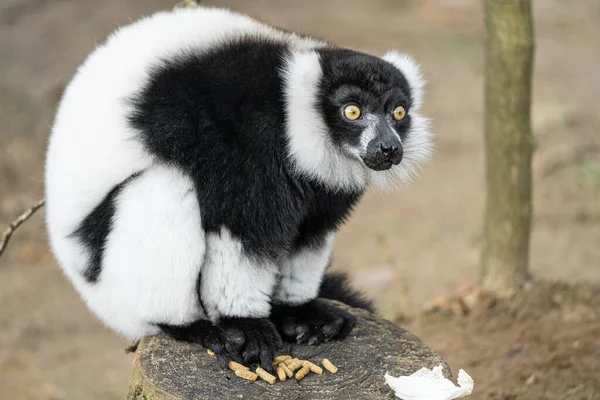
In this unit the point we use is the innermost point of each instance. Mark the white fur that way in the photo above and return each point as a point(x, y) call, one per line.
point(369, 133)
point(310, 147)
point(148, 269)
point(234, 284)
point(412, 72)
point(152, 256)
point(302, 273)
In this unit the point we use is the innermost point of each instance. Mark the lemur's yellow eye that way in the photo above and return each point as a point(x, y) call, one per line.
point(352, 112)
point(399, 113)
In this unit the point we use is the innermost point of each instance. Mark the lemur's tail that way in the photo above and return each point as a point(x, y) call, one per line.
point(335, 286)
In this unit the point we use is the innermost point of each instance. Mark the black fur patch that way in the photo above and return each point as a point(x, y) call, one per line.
point(220, 117)
point(335, 286)
point(94, 229)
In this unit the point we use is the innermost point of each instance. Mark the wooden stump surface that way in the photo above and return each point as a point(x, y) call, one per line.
point(166, 369)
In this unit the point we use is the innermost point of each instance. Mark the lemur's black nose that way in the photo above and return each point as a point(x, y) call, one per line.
point(389, 149)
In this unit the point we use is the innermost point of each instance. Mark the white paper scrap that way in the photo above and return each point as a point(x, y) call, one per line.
point(430, 384)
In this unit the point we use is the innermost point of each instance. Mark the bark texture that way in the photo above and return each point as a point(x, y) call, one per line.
point(509, 146)
point(166, 369)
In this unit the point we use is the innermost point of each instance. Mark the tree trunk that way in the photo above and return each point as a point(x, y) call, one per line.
point(509, 145)
point(164, 369)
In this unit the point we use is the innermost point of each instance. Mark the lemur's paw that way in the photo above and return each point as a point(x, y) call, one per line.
point(313, 322)
point(203, 332)
point(249, 340)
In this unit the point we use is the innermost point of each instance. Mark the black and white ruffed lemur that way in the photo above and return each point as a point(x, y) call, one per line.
point(200, 164)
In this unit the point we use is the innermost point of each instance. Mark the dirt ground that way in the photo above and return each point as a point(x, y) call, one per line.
point(403, 248)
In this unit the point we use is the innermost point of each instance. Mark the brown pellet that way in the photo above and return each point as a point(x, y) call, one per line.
point(210, 353)
point(314, 368)
point(280, 359)
point(245, 374)
point(237, 366)
point(294, 364)
point(265, 375)
point(285, 369)
point(302, 373)
point(329, 366)
point(281, 374)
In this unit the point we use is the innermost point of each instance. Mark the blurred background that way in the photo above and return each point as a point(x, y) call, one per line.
point(406, 250)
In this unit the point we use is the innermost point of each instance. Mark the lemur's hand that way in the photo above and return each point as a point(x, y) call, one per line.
point(244, 340)
point(313, 322)
point(247, 341)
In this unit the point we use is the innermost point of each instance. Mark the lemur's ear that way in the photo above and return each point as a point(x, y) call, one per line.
point(412, 72)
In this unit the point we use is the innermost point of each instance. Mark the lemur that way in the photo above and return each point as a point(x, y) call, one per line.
point(200, 164)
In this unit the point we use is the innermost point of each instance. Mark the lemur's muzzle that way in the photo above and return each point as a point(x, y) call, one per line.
point(384, 150)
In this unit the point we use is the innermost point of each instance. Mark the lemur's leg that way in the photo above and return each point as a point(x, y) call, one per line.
point(236, 290)
point(148, 245)
point(298, 314)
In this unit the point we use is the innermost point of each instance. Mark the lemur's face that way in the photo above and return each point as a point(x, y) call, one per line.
point(353, 119)
point(366, 103)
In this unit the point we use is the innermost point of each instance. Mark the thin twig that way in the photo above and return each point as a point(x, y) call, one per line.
point(132, 348)
point(17, 222)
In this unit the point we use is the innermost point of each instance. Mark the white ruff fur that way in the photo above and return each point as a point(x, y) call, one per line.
point(302, 273)
point(310, 147)
point(234, 284)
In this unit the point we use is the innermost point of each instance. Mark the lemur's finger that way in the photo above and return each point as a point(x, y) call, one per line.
point(251, 351)
point(289, 328)
point(233, 340)
point(349, 323)
point(267, 353)
point(331, 330)
point(213, 344)
point(234, 355)
point(316, 338)
point(278, 342)
point(302, 333)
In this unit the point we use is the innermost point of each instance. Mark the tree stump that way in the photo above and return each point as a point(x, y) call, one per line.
point(167, 369)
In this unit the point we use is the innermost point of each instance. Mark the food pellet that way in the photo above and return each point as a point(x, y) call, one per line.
point(314, 368)
point(237, 366)
point(302, 373)
point(281, 374)
point(280, 359)
point(245, 374)
point(210, 353)
point(285, 369)
point(329, 366)
point(294, 364)
point(265, 375)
